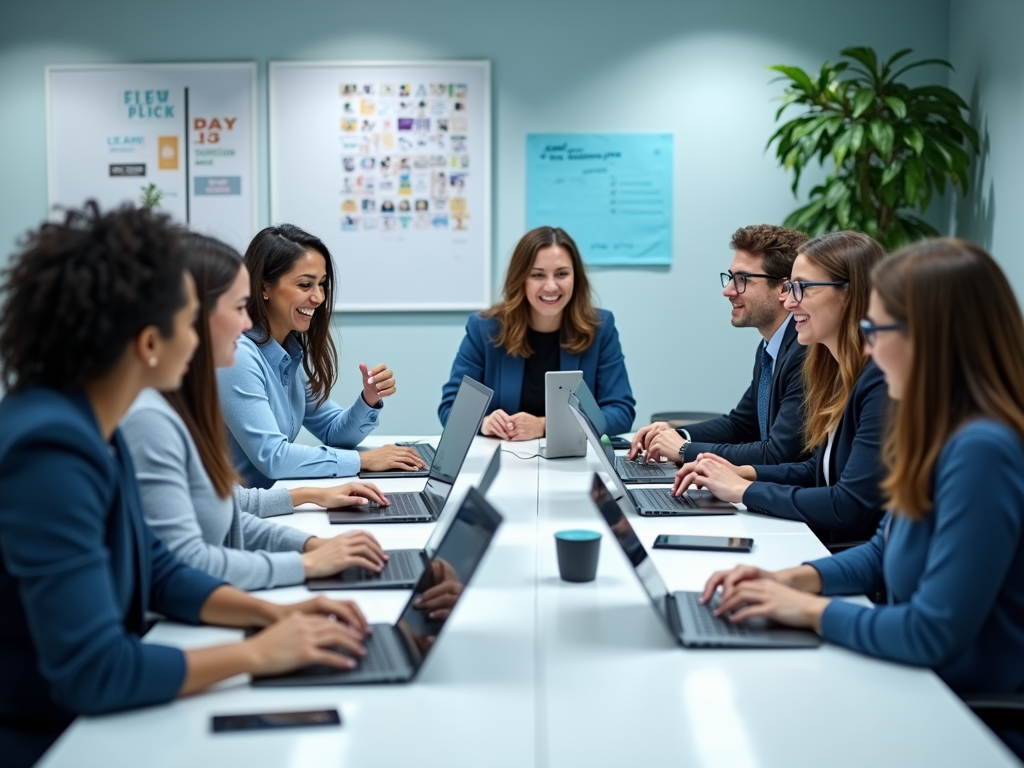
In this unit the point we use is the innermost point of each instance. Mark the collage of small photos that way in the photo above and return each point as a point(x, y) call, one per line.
point(405, 156)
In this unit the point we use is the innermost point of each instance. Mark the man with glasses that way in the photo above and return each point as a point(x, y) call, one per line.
point(765, 427)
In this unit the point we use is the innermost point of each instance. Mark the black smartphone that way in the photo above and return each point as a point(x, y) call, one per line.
point(708, 543)
point(619, 443)
point(267, 720)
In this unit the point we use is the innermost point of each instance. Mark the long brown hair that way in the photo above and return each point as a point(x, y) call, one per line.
point(271, 254)
point(829, 382)
point(214, 266)
point(967, 358)
point(579, 319)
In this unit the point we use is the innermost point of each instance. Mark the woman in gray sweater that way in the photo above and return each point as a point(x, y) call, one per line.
point(188, 484)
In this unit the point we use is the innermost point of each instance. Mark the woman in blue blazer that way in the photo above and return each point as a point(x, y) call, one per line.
point(837, 491)
point(98, 308)
point(950, 553)
point(546, 321)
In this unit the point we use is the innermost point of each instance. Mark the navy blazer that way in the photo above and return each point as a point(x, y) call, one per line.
point(736, 436)
point(850, 508)
point(79, 568)
point(603, 366)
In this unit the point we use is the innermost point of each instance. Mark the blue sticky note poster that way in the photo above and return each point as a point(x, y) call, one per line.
point(612, 192)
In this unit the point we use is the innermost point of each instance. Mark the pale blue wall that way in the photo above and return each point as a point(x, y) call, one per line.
point(694, 68)
point(985, 43)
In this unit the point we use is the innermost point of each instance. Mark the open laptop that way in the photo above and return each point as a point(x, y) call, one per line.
point(395, 653)
point(426, 452)
point(563, 436)
point(405, 566)
point(651, 501)
point(690, 622)
point(424, 506)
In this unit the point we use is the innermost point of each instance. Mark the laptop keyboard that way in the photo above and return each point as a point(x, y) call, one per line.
point(661, 501)
point(381, 653)
point(426, 453)
point(627, 468)
point(403, 566)
point(402, 505)
point(708, 624)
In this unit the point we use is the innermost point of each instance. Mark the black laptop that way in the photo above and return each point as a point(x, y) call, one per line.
point(396, 652)
point(405, 566)
point(425, 506)
point(640, 471)
point(690, 622)
point(651, 501)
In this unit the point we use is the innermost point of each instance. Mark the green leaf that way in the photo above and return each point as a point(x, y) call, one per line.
point(865, 56)
point(887, 67)
point(882, 136)
point(897, 105)
point(863, 99)
point(797, 75)
point(892, 170)
point(914, 139)
point(921, 63)
point(856, 138)
point(837, 190)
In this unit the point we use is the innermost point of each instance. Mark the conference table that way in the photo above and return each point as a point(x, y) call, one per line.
point(534, 671)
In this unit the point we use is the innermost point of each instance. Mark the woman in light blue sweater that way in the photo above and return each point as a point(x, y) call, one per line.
point(944, 327)
point(187, 482)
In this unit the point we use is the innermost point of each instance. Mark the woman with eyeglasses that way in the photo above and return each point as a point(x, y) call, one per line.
point(950, 552)
point(836, 492)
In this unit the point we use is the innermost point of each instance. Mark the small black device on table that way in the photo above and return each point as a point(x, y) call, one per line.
point(704, 543)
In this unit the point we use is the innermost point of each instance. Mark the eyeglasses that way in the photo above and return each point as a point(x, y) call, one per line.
point(739, 280)
point(797, 287)
point(869, 329)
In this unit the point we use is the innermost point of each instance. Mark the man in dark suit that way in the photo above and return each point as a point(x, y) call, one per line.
point(766, 426)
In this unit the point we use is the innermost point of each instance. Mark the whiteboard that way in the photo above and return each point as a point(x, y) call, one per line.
point(190, 129)
point(389, 164)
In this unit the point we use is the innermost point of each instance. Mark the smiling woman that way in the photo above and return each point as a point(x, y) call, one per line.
point(546, 321)
point(286, 367)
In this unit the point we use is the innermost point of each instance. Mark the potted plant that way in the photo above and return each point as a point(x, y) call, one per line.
point(890, 145)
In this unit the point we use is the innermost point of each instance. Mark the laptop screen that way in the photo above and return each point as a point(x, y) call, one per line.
point(464, 421)
point(589, 407)
point(447, 574)
point(605, 453)
point(483, 486)
point(626, 537)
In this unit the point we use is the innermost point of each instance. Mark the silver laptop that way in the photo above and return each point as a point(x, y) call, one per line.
point(426, 452)
point(405, 566)
point(395, 653)
point(651, 501)
point(425, 506)
point(690, 622)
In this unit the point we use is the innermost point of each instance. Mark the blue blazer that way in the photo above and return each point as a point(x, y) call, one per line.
point(79, 568)
point(603, 366)
point(954, 579)
point(736, 436)
point(849, 509)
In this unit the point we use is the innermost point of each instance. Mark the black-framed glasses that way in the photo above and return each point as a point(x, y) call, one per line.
point(739, 280)
point(869, 329)
point(797, 287)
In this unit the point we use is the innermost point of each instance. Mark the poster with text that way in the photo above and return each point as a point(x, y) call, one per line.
point(612, 192)
point(179, 135)
point(389, 164)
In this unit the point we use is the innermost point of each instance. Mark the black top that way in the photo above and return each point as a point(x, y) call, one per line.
point(546, 357)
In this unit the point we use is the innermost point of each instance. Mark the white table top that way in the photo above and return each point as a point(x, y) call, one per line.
point(532, 670)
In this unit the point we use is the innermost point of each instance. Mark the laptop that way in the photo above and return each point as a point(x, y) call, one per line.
point(564, 438)
point(406, 566)
point(425, 506)
point(395, 653)
point(691, 623)
point(651, 502)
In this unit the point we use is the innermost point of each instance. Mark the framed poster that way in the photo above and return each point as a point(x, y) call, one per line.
point(612, 192)
point(389, 164)
point(184, 134)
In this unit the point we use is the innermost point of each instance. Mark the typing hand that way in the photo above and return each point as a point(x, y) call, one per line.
point(644, 436)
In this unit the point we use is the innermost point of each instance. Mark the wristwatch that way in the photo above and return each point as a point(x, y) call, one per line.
point(683, 447)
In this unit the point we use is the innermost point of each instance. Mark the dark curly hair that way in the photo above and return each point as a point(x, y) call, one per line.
point(80, 290)
point(270, 255)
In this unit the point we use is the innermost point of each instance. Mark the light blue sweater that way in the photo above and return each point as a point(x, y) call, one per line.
point(266, 401)
point(224, 537)
point(955, 579)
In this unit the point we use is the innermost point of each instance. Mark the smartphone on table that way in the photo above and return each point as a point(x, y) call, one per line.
point(704, 543)
point(268, 720)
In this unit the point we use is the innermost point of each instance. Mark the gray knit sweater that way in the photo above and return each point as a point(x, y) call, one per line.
point(224, 537)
